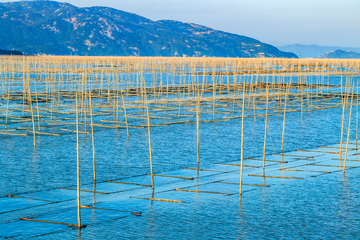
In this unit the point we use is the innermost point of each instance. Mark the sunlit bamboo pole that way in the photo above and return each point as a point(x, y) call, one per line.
point(342, 119)
point(197, 129)
point(149, 134)
point(92, 135)
point(78, 164)
point(357, 113)
point(349, 128)
point(287, 90)
point(126, 119)
point(266, 120)
point(242, 140)
point(32, 114)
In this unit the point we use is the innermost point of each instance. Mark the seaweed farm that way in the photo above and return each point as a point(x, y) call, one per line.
point(130, 147)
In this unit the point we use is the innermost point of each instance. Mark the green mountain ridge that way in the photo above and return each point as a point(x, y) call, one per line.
point(54, 28)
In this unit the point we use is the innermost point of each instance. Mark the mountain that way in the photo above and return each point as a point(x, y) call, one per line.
point(9, 52)
point(49, 27)
point(341, 55)
point(313, 51)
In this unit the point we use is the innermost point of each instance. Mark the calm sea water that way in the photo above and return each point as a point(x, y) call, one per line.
point(315, 208)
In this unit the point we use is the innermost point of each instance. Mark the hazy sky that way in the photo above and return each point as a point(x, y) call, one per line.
point(277, 22)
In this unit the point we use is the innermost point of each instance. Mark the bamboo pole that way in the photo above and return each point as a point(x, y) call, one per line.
point(266, 120)
point(7, 106)
point(349, 128)
point(357, 112)
point(343, 116)
point(150, 151)
point(242, 140)
point(32, 114)
point(283, 130)
point(92, 135)
point(126, 119)
point(78, 164)
point(342, 121)
point(287, 87)
point(197, 130)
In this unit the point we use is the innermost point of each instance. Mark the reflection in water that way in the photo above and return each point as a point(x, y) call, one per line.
point(79, 234)
point(346, 187)
point(152, 195)
point(150, 217)
point(35, 162)
point(94, 199)
point(264, 192)
point(241, 218)
point(197, 182)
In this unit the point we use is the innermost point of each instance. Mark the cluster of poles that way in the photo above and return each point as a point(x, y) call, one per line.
point(41, 95)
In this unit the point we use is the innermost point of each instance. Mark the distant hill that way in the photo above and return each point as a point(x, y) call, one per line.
point(49, 27)
point(9, 52)
point(341, 55)
point(313, 51)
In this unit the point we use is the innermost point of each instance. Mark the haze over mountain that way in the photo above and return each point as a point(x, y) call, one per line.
point(313, 51)
point(49, 27)
point(340, 54)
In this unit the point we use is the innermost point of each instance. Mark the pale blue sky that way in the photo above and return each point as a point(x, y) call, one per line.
point(277, 22)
